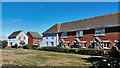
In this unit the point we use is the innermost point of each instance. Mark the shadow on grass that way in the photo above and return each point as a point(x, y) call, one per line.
point(93, 59)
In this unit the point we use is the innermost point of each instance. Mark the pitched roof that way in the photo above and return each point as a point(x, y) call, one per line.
point(109, 20)
point(14, 34)
point(34, 34)
point(54, 29)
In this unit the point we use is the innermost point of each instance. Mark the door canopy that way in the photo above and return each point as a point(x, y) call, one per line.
point(76, 40)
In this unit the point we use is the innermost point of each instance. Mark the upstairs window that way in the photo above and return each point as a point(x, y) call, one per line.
point(19, 38)
point(24, 38)
point(52, 37)
point(100, 31)
point(46, 37)
point(79, 33)
point(64, 34)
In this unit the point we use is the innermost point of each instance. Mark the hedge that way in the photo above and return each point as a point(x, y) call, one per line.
point(74, 50)
point(91, 52)
point(27, 46)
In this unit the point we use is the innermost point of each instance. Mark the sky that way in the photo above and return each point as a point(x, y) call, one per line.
point(39, 16)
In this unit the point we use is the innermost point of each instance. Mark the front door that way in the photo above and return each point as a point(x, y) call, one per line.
point(96, 46)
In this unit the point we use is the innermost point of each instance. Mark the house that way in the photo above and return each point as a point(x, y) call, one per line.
point(18, 37)
point(50, 36)
point(96, 32)
point(34, 38)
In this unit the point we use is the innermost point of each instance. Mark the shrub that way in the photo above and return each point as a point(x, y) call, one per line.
point(51, 48)
point(113, 53)
point(91, 52)
point(16, 45)
point(34, 47)
point(4, 44)
point(27, 46)
point(74, 50)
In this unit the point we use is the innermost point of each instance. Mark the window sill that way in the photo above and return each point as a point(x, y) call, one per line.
point(63, 37)
point(106, 48)
point(83, 47)
point(78, 36)
point(100, 35)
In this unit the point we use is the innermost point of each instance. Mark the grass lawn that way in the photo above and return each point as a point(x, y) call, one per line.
point(23, 57)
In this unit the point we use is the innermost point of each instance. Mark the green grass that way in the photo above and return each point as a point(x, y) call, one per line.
point(23, 57)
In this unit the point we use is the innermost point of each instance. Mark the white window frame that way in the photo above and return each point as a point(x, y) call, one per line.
point(64, 35)
point(52, 37)
point(105, 46)
point(99, 31)
point(79, 33)
point(82, 42)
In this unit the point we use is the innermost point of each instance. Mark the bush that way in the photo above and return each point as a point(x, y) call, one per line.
point(74, 50)
point(34, 47)
point(113, 53)
point(4, 44)
point(91, 52)
point(51, 48)
point(27, 46)
point(16, 45)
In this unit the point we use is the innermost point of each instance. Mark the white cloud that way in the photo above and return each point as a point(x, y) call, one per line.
point(17, 20)
point(4, 37)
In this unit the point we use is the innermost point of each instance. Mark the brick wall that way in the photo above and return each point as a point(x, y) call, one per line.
point(111, 34)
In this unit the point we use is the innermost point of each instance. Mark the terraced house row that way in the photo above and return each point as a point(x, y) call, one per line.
point(96, 32)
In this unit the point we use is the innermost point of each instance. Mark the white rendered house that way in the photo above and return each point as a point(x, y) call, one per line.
point(50, 37)
point(18, 37)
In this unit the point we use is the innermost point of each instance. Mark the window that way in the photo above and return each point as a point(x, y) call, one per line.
point(84, 45)
point(99, 31)
point(64, 35)
point(46, 37)
point(52, 43)
point(11, 43)
point(24, 38)
point(106, 44)
point(52, 37)
point(19, 38)
point(79, 33)
point(47, 43)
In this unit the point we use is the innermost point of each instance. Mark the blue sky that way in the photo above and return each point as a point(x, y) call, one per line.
point(39, 16)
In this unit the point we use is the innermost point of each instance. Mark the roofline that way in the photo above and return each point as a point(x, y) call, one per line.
point(31, 35)
point(92, 28)
point(16, 35)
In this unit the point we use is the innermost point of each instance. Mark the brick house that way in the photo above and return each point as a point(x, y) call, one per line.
point(34, 38)
point(96, 32)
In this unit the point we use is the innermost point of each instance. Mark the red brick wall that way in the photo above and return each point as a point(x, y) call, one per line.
point(36, 41)
point(30, 40)
point(111, 34)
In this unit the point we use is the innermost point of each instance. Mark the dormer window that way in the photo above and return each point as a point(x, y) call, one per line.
point(79, 33)
point(64, 35)
point(99, 31)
